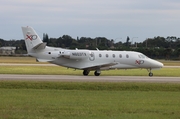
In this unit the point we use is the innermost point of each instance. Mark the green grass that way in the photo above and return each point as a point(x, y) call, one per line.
point(19, 60)
point(78, 100)
point(170, 62)
point(56, 70)
point(129, 86)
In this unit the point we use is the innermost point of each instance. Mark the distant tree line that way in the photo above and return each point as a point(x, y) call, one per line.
point(157, 47)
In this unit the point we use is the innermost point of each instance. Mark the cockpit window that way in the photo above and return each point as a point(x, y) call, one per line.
point(142, 56)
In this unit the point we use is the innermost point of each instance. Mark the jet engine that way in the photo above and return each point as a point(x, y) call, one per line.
point(75, 54)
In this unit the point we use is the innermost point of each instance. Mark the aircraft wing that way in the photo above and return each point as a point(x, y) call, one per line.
point(100, 66)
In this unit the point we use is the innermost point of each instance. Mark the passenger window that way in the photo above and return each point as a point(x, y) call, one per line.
point(113, 55)
point(127, 56)
point(107, 55)
point(100, 55)
point(120, 56)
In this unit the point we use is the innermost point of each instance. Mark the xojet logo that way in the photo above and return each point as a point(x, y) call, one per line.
point(31, 37)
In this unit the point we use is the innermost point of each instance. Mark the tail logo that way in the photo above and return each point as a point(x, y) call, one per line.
point(31, 37)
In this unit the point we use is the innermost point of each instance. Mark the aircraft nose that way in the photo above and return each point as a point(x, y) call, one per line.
point(157, 64)
point(161, 65)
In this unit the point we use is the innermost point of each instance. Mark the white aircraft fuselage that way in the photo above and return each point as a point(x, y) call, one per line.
point(87, 60)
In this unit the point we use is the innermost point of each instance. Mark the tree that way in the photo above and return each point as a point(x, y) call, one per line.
point(127, 41)
point(46, 38)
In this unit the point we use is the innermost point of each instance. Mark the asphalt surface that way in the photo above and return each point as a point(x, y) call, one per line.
point(71, 78)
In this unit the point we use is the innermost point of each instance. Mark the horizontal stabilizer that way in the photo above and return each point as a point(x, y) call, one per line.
point(43, 60)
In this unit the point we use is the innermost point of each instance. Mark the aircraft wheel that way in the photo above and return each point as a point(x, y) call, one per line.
point(96, 73)
point(150, 74)
point(85, 72)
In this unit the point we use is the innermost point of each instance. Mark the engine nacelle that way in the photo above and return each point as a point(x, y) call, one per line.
point(75, 54)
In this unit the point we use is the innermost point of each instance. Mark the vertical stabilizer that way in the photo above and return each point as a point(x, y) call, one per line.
point(32, 40)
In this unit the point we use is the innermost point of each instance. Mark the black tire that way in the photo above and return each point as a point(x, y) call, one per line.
point(96, 74)
point(85, 72)
point(150, 74)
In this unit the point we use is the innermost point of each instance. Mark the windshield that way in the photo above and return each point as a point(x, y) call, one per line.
point(142, 56)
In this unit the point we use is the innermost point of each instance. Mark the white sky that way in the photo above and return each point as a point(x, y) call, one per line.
point(113, 19)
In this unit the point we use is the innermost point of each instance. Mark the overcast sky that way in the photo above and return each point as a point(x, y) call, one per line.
point(113, 19)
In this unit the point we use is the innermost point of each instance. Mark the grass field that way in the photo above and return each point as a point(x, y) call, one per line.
point(83, 100)
point(60, 100)
point(19, 60)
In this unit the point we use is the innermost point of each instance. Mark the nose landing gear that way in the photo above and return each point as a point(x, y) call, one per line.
point(150, 73)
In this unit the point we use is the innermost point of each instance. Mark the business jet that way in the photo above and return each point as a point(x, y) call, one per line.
point(86, 60)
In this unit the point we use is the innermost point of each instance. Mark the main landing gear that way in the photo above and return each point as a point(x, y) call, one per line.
point(96, 73)
point(150, 73)
point(85, 72)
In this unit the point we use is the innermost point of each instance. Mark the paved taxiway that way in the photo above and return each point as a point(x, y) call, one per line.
point(70, 78)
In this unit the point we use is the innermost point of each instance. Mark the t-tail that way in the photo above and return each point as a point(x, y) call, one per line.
point(32, 40)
